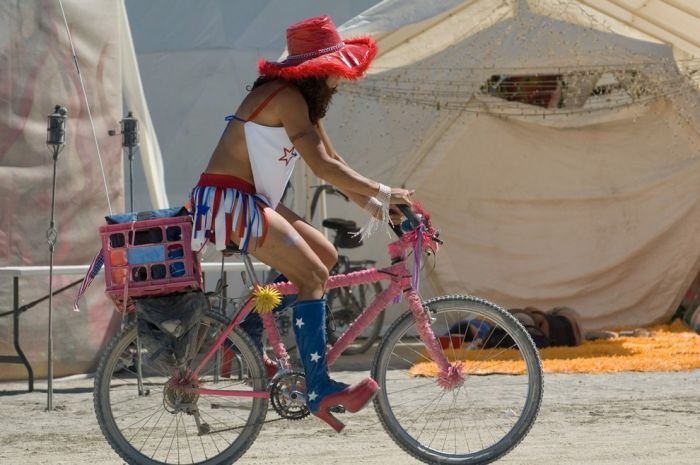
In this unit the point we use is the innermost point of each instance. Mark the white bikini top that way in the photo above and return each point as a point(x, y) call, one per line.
point(272, 155)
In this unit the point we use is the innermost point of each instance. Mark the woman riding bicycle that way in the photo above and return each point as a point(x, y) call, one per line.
point(237, 199)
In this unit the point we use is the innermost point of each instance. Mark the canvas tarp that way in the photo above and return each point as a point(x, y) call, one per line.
point(592, 205)
point(38, 72)
point(390, 128)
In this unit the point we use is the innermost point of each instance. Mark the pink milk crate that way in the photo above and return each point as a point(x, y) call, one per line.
point(151, 257)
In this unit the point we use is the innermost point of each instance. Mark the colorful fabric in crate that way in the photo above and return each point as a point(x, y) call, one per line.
point(121, 218)
point(223, 203)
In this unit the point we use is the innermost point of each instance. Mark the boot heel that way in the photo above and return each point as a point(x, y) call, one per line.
point(354, 398)
point(328, 417)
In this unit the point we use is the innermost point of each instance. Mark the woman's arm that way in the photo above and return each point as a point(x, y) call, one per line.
point(327, 142)
point(359, 199)
point(293, 112)
point(325, 162)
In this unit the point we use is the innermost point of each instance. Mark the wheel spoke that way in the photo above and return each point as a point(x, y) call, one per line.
point(171, 423)
point(477, 421)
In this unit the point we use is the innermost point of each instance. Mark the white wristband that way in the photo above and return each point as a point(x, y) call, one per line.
point(377, 207)
point(373, 204)
point(384, 194)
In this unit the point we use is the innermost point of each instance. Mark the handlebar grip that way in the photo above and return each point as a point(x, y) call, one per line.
point(408, 213)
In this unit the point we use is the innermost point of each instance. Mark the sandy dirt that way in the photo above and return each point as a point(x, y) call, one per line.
point(630, 418)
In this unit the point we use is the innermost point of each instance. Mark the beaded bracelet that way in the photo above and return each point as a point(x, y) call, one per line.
point(384, 195)
point(377, 204)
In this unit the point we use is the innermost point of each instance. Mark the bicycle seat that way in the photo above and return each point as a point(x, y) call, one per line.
point(347, 236)
point(338, 224)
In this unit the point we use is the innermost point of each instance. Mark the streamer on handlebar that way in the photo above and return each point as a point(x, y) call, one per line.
point(416, 233)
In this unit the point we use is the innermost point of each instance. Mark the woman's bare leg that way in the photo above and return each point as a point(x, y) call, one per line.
point(318, 242)
point(286, 250)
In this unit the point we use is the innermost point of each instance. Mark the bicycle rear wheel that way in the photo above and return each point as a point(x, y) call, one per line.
point(345, 304)
point(477, 422)
point(158, 419)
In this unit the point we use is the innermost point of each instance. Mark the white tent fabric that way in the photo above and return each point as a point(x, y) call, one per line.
point(134, 98)
point(591, 203)
point(39, 72)
point(673, 22)
point(407, 123)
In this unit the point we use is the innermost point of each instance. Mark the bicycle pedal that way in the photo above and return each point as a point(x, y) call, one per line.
point(337, 409)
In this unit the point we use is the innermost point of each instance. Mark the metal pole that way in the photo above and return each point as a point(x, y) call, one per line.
point(55, 140)
point(131, 179)
point(51, 236)
point(130, 139)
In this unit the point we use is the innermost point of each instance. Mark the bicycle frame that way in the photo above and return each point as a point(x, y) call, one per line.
point(450, 375)
point(423, 397)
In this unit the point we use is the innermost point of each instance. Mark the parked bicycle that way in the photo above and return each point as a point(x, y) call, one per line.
point(461, 379)
point(345, 304)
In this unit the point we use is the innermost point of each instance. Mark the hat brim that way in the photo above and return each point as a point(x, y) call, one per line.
point(349, 62)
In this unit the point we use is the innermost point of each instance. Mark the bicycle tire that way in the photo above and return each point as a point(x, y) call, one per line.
point(116, 397)
point(439, 431)
point(343, 309)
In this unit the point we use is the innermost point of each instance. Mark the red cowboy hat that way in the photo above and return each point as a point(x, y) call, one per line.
point(315, 49)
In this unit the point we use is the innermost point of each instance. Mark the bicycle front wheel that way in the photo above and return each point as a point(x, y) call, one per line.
point(150, 414)
point(482, 419)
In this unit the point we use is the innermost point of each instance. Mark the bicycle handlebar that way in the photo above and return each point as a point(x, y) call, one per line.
point(415, 220)
point(408, 213)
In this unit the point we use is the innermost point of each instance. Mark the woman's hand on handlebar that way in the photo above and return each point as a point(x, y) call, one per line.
point(400, 196)
point(395, 215)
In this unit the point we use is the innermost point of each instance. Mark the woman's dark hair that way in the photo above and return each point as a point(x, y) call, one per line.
point(315, 91)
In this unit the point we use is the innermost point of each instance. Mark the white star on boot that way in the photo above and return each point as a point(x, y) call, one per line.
point(315, 357)
point(299, 323)
point(313, 396)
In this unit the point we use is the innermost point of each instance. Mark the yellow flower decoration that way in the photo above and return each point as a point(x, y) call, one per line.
point(266, 298)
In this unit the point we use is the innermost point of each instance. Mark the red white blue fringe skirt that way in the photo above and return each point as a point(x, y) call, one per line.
point(221, 204)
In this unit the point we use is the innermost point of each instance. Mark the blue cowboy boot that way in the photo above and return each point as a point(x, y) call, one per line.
point(322, 393)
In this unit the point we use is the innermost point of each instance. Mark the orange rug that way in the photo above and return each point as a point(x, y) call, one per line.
point(668, 348)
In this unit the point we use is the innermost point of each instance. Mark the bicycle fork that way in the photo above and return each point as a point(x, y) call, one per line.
point(451, 374)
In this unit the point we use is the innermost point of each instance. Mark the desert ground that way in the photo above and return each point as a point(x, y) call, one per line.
point(628, 418)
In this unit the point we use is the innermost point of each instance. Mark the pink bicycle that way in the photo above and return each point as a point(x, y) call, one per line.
point(461, 380)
